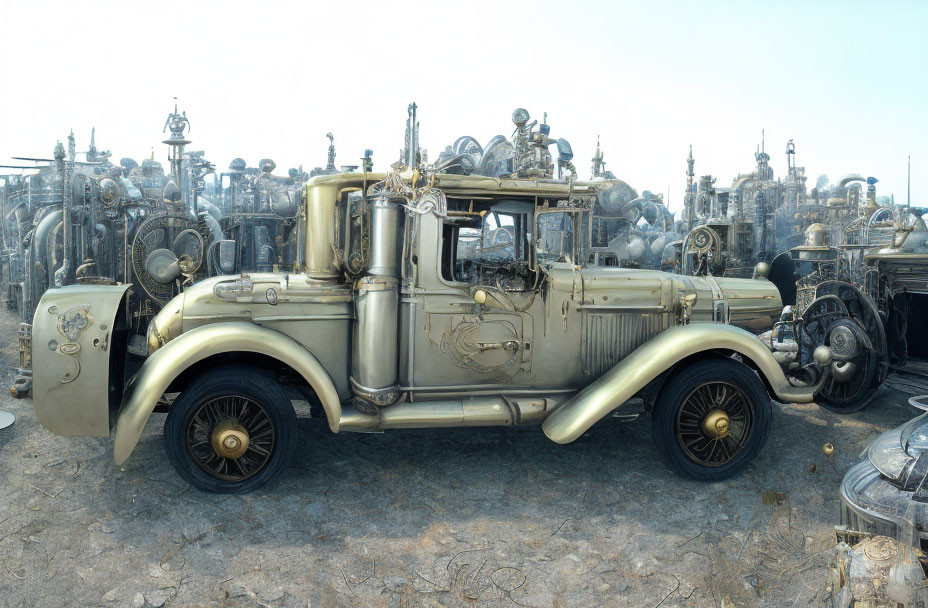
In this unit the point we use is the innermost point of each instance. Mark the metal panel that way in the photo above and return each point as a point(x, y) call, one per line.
point(72, 334)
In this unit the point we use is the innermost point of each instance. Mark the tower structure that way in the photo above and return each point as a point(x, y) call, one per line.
point(688, 200)
point(177, 122)
point(598, 162)
point(411, 147)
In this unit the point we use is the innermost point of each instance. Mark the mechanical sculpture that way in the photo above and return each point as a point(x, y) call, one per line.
point(860, 281)
point(880, 559)
point(729, 230)
point(834, 256)
point(68, 221)
point(259, 221)
point(760, 219)
point(90, 222)
point(465, 293)
point(626, 230)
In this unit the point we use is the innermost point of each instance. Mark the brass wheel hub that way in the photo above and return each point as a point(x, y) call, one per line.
point(716, 424)
point(229, 439)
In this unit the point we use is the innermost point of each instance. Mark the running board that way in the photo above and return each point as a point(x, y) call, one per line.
point(473, 411)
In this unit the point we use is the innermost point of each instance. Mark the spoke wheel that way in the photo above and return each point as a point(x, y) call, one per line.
point(711, 418)
point(231, 437)
point(231, 430)
point(713, 423)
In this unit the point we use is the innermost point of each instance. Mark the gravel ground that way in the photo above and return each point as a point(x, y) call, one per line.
point(487, 517)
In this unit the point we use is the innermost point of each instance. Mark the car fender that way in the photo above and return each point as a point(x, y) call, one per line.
point(653, 358)
point(75, 334)
point(169, 361)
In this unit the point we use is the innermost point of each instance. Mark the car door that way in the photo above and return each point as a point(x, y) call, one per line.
point(466, 324)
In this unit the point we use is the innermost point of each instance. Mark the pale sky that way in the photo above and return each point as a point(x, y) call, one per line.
point(845, 80)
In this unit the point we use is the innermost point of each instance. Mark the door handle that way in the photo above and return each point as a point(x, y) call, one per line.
point(507, 345)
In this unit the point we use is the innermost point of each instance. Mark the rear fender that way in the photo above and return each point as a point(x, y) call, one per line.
point(76, 358)
point(169, 361)
point(653, 358)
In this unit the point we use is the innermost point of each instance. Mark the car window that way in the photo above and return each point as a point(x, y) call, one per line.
point(557, 237)
point(485, 245)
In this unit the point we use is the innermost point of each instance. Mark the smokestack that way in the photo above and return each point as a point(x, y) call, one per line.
point(411, 150)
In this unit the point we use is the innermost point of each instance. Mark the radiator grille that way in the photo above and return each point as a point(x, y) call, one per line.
point(609, 337)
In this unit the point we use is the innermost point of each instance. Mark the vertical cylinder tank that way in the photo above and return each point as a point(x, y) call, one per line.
point(384, 247)
point(374, 352)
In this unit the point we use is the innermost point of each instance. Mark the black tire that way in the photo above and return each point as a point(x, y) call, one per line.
point(222, 396)
point(679, 404)
point(872, 364)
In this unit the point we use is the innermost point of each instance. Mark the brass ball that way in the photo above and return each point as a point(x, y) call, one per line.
point(822, 355)
point(829, 449)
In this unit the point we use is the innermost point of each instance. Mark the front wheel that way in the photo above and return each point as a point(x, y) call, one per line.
point(231, 431)
point(711, 419)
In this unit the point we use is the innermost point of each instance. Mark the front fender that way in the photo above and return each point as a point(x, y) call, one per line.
point(650, 360)
point(166, 363)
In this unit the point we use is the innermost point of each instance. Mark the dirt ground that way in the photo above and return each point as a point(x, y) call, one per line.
point(487, 517)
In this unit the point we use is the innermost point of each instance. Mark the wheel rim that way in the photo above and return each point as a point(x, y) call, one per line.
point(231, 437)
point(713, 423)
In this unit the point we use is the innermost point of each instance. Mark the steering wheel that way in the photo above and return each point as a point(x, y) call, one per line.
point(501, 237)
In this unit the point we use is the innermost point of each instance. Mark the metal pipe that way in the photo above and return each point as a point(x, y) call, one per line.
point(473, 411)
point(213, 210)
point(61, 274)
point(213, 226)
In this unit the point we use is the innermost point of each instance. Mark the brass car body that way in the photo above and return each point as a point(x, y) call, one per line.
point(391, 325)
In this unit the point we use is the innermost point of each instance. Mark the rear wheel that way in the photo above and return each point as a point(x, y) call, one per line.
point(711, 419)
point(231, 431)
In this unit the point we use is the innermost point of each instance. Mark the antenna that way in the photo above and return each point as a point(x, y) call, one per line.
point(908, 186)
point(761, 140)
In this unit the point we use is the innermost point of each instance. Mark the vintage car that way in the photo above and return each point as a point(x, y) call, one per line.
point(430, 300)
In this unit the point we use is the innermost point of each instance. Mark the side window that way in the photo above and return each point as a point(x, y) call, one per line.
point(557, 237)
point(480, 246)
